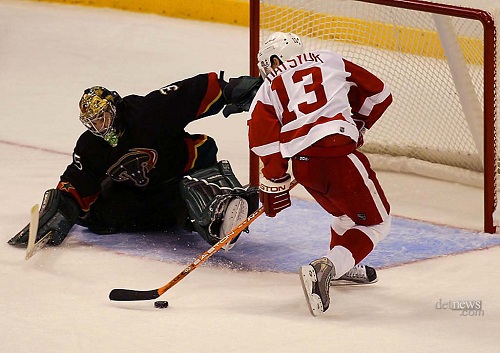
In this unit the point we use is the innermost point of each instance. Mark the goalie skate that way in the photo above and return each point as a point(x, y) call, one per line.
point(359, 274)
point(236, 212)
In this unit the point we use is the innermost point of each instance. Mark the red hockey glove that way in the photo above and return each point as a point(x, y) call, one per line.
point(274, 194)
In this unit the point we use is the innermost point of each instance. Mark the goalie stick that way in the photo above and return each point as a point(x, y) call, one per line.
point(38, 245)
point(33, 245)
point(119, 294)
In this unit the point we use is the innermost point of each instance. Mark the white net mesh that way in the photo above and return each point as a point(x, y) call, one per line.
point(426, 128)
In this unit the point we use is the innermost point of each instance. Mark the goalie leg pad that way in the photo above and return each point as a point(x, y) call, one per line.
point(208, 192)
point(58, 213)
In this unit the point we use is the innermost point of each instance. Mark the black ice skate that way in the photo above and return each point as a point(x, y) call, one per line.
point(359, 274)
point(315, 279)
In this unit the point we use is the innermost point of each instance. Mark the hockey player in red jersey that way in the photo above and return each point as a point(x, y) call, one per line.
point(312, 110)
point(137, 169)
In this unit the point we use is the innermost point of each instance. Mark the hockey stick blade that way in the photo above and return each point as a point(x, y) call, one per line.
point(136, 295)
point(133, 295)
point(125, 295)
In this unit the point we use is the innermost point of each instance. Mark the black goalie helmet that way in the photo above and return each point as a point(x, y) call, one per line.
point(98, 113)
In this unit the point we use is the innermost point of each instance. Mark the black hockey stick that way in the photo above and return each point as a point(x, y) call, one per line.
point(133, 295)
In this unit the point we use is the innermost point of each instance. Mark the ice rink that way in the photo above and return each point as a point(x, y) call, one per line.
point(248, 300)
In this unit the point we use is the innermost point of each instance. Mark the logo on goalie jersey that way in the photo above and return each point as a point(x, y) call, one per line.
point(134, 166)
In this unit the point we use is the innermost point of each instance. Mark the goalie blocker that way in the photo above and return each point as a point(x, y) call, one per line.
point(58, 213)
point(215, 199)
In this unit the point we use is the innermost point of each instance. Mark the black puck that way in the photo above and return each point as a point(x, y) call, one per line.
point(161, 304)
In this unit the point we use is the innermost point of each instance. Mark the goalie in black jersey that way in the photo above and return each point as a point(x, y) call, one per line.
point(137, 169)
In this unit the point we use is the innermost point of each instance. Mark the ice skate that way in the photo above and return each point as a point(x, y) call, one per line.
point(315, 279)
point(359, 274)
point(236, 212)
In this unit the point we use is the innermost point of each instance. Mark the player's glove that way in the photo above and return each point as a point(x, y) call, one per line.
point(274, 194)
point(58, 214)
point(239, 93)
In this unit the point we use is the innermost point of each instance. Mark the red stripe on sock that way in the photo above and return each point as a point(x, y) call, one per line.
point(354, 240)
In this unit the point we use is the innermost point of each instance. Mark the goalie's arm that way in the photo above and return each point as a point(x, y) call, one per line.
point(58, 213)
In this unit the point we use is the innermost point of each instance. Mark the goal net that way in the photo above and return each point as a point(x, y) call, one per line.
point(439, 61)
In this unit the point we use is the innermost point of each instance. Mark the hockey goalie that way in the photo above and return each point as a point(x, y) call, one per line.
point(137, 169)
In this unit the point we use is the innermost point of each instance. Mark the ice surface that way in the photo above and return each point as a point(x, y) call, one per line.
point(244, 300)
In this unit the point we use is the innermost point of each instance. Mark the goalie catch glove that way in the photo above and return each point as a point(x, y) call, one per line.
point(57, 215)
point(239, 94)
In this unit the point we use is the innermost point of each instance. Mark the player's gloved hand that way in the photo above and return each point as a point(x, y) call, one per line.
point(274, 194)
point(239, 93)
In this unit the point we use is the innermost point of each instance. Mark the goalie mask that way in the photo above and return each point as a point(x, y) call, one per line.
point(284, 46)
point(98, 113)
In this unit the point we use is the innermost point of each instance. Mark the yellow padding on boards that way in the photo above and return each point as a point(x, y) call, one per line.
point(380, 35)
point(361, 32)
point(236, 12)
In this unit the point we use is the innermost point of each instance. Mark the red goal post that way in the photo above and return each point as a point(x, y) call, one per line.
point(439, 61)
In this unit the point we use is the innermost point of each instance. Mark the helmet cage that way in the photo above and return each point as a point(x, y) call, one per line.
point(97, 113)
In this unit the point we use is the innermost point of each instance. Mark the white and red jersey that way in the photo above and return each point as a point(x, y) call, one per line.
point(310, 97)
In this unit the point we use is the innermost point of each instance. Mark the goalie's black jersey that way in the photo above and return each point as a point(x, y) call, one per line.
point(154, 147)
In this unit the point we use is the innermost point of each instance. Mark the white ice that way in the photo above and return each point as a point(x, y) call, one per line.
point(57, 301)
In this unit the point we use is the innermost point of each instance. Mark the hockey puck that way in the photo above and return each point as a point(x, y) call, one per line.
point(161, 304)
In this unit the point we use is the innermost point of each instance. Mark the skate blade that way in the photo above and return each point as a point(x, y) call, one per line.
point(307, 278)
point(346, 282)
